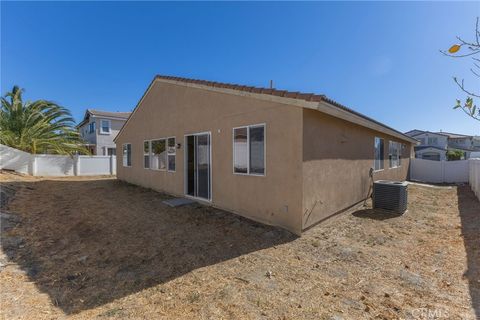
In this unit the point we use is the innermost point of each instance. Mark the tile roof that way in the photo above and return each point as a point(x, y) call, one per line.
point(280, 93)
point(271, 91)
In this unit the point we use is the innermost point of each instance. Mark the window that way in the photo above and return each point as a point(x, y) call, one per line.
point(109, 151)
point(240, 150)
point(159, 155)
point(249, 150)
point(127, 155)
point(394, 150)
point(402, 150)
point(378, 162)
point(433, 141)
point(146, 154)
point(105, 126)
point(91, 127)
point(171, 151)
point(422, 141)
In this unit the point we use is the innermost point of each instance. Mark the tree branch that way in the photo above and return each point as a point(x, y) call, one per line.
point(462, 87)
point(464, 109)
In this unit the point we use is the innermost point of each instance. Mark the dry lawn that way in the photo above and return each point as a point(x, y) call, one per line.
point(83, 248)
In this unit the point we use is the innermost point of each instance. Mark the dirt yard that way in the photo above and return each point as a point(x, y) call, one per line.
point(82, 248)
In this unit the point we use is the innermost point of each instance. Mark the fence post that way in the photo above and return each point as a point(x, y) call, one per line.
point(111, 165)
point(76, 165)
point(443, 170)
point(32, 165)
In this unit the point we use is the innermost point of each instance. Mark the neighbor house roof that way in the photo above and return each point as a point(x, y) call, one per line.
point(314, 101)
point(413, 132)
point(455, 135)
point(100, 113)
point(416, 132)
point(104, 114)
point(437, 133)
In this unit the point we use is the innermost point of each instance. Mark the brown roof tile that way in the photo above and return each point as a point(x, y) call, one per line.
point(282, 93)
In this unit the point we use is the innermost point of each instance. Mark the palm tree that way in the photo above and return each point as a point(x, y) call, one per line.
point(37, 127)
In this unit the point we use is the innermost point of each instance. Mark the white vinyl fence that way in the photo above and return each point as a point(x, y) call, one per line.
point(461, 171)
point(439, 171)
point(56, 165)
point(474, 177)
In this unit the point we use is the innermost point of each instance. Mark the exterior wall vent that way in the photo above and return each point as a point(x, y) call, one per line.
point(390, 195)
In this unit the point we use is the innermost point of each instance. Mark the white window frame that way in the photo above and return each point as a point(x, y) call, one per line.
point(264, 125)
point(149, 154)
point(109, 126)
point(375, 160)
point(172, 154)
point(125, 159)
point(398, 146)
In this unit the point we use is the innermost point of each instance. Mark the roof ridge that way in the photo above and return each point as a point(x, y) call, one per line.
point(309, 97)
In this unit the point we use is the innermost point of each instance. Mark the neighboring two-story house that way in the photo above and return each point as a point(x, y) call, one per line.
point(99, 128)
point(435, 145)
point(476, 143)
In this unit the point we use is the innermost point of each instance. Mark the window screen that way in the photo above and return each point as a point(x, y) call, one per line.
point(378, 154)
point(240, 150)
point(127, 155)
point(146, 154)
point(159, 154)
point(171, 152)
point(249, 150)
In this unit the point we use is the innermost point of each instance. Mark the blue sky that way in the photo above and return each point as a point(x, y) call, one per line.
point(379, 58)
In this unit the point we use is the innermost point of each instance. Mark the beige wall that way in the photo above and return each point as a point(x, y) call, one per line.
point(337, 156)
point(175, 110)
point(316, 164)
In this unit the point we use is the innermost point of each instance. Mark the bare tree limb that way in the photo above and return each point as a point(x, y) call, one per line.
point(462, 87)
point(460, 56)
point(468, 106)
point(478, 75)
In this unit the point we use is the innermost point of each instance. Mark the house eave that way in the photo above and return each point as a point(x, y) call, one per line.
point(322, 106)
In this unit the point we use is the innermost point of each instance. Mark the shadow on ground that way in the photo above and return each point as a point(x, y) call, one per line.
point(469, 208)
point(375, 214)
point(87, 243)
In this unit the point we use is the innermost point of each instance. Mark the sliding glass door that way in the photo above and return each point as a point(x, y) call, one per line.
point(198, 169)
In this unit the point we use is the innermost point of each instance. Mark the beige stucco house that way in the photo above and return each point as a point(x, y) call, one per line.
point(282, 158)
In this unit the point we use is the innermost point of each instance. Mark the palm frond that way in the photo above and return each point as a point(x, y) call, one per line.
point(37, 126)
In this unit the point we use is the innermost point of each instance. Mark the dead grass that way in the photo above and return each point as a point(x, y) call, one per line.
point(98, 248)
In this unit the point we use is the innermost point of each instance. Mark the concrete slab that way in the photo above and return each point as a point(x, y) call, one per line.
point(178, 202)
